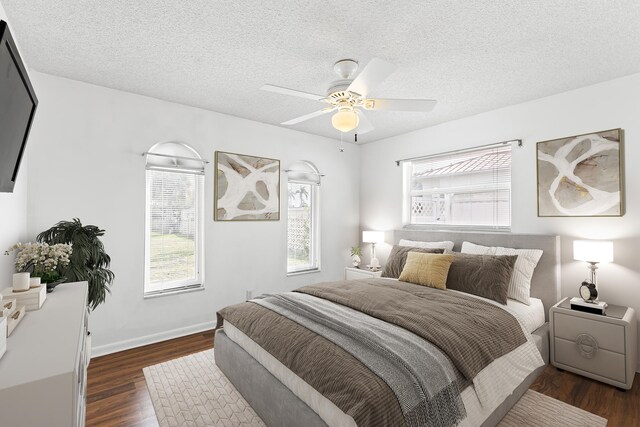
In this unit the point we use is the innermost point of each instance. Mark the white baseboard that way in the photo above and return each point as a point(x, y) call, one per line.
point(105, 349)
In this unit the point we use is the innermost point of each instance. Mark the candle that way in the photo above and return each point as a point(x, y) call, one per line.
point(21, 282)
point(34, 282)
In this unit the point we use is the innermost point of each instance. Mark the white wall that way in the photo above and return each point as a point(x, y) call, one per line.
point(607, 105)
point(85, 161)
point(13, 214)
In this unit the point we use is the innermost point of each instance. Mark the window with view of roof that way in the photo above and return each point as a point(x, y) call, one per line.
point(471, 188)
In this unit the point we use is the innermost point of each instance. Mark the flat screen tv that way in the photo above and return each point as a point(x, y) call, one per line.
point(18, 104)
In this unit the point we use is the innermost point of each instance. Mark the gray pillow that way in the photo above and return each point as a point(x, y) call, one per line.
point(487, 276)
point(398, 257)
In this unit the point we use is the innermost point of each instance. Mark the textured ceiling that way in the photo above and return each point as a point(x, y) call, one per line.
point(470, 56)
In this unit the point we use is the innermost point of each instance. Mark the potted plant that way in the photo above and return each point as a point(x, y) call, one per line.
point(88, 261)
point(356, 252)
point(42, 260)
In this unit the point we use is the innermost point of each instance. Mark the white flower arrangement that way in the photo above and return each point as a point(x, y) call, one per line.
point(40, 258)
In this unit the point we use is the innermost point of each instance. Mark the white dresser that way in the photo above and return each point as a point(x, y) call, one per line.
point(43, 374)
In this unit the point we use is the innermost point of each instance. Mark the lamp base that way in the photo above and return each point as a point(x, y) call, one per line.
point(374, 264)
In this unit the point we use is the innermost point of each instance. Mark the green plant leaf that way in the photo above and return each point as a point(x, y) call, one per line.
point(88, 261)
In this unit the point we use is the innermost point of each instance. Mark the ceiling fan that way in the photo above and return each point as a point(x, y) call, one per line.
point(348, 96)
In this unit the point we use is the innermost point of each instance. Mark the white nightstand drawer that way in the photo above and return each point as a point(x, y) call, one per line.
point(353, 275)
point(609, 336)
point(357, 273)
point(604, 363)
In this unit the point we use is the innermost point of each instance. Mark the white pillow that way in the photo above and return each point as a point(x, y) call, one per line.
point(428, 245)
point(472, 248)
point(520, 283)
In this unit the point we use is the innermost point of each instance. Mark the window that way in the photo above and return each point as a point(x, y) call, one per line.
point(173, 247)
point(469, 188)
point(303, 241)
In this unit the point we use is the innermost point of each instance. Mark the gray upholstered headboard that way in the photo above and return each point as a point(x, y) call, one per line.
point(545, 283)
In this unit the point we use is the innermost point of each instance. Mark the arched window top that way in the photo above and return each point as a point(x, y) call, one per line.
point(304, 171)
point(175, 156)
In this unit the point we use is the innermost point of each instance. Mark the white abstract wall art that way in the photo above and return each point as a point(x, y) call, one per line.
point(247, 188)
point(581, 175)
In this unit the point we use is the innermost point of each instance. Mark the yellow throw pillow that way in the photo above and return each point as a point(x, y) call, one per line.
point(427, 269)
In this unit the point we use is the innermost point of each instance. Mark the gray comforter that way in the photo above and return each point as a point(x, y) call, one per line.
point(419, 374)
point(382, 351)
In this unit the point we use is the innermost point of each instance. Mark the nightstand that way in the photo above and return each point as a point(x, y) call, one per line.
point(352, 273)
point(602, 347)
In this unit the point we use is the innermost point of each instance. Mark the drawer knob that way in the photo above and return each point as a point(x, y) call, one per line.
point(587, 345)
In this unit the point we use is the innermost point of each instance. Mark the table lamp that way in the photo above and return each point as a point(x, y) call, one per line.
point(593, 252)
point(373, 237)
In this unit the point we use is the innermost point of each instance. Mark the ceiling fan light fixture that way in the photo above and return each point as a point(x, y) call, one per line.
point(345, 120)
point(348, 96)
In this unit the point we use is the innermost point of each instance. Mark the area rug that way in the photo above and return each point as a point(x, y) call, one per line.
point(191, 391)
point(537, 410)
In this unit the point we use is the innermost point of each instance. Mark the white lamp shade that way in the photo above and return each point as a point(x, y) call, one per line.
point(345, 121)
point(373, 236)
point(593, 250)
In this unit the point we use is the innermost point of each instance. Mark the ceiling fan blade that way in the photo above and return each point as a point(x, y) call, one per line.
point(292, 92)
point(374, 73)
point(420, 105)
point(364, 125)
point(307, 117)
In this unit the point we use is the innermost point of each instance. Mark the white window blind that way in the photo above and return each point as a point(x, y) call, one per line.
point(470, 188)
point(173, 256)
point(303, 225)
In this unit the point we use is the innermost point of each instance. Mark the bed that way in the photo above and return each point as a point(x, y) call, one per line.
point(282, 398)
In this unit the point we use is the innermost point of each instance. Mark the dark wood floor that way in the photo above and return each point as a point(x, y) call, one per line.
point(117, 394)
point(621, 408)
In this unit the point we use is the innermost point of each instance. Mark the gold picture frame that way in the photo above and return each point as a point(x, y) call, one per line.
point(581, 175)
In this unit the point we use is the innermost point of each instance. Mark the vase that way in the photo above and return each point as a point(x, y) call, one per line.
point(21, 282)
point(355, 260)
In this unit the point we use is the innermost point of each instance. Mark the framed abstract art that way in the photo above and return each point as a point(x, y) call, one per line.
point(247, 188)
point(581, 175)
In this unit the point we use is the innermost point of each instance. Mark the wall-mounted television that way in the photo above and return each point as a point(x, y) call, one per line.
point(18, 104)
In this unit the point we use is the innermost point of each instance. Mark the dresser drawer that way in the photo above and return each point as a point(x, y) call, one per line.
point(609, 336)
point(604, 363)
